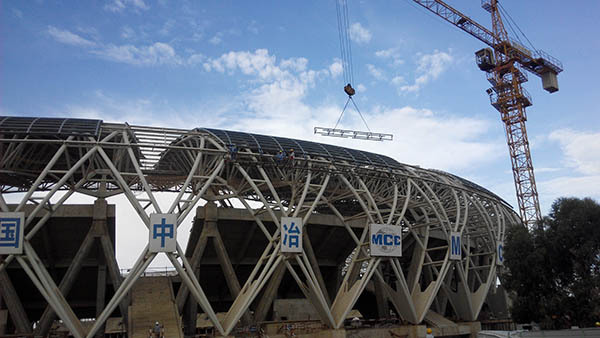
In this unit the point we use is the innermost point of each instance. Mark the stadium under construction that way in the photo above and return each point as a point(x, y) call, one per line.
point(281, 244)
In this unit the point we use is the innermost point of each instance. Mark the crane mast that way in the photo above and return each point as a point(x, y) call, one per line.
point(510, 99)
point(504, 64)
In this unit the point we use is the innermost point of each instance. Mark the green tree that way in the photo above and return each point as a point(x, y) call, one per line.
point(554, 269)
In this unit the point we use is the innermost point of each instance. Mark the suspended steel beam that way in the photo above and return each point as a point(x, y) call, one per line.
point(355, 134)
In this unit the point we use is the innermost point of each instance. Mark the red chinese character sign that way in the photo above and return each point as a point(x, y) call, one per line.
point(291, 234)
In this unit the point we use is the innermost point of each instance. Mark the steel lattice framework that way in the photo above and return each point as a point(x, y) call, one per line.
point(44, 157)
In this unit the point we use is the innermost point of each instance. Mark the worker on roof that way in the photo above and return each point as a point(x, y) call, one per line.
point(429, 333)
point(280, 156)
point(292, 154)
point(233, 151)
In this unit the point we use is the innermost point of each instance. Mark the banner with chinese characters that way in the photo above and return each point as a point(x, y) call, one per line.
point(11, 232)
point(291, 234)
point(163, 233)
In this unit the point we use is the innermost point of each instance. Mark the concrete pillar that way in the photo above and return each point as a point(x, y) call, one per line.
point(98, 229)
point(383, 309)
point(100, 295)
point(190, 315)
point(183, 299)
point(312, 258)
point(13, 303)
point(3, 317)
point(67, 281)
point(101, 227)
point(269, 294)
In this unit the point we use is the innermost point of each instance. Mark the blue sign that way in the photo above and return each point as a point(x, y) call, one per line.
point(455, 246)
point(386, 239)
point(11, 232)
point(291, 234)
point(163, 233)
point(500, 254)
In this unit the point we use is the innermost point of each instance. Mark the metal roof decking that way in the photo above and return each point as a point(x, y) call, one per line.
point(273, 144)
point(49, 126)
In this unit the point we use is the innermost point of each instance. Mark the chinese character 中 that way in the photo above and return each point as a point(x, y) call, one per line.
point(9, 232)
point(294, 240)
point(166, 230)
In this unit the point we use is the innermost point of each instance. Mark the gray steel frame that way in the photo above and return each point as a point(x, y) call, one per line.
point(195, 165)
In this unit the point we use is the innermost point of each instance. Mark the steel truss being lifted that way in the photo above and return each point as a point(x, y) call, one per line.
point(197, 165)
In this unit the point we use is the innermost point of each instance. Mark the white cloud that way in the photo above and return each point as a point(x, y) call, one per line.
point(376, 72)
point(392, 54)
point(276, 97)
point(139, 111)
point(279, 100)
point(18, 13)
point(217, 39)
point(546, 170)
point(158, 53)
point(195, 59)
point(69, 38)
point(582, 150)
point(336, 68)
point(429, 67)
point(253, 27)
point(359, 34)
point(167, 27)
point(249, 63)
point(398, 80)
point(120, 5)
point(568, 186)
point(295, 64)
point(127, 33)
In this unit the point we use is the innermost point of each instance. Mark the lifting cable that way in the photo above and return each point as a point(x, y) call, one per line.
point(341, 7)
point(505, 12)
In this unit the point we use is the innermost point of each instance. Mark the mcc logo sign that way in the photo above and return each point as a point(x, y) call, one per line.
point(385, 240)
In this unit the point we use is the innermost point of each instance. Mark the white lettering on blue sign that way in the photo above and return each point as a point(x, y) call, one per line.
point(455, 246)
point(385, 240)
point(11, 232)
point(291, 234)
point(163, 233)
point(500, 254)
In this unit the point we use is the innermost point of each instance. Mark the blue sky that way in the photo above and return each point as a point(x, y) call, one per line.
point(273, 67)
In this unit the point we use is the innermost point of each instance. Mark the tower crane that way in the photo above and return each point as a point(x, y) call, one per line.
point(503, 64)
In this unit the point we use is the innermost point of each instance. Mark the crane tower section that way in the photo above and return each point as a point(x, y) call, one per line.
point(504, 64)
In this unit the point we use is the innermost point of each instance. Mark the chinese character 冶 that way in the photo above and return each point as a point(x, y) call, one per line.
point(291, 240)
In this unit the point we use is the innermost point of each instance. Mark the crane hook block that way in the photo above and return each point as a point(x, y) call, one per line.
point(349, 90)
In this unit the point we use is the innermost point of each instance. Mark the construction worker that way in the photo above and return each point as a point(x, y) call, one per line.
point(292, 154)
point(156, 331)
point(233, 151)
point(280, 156)
point(429, 333)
